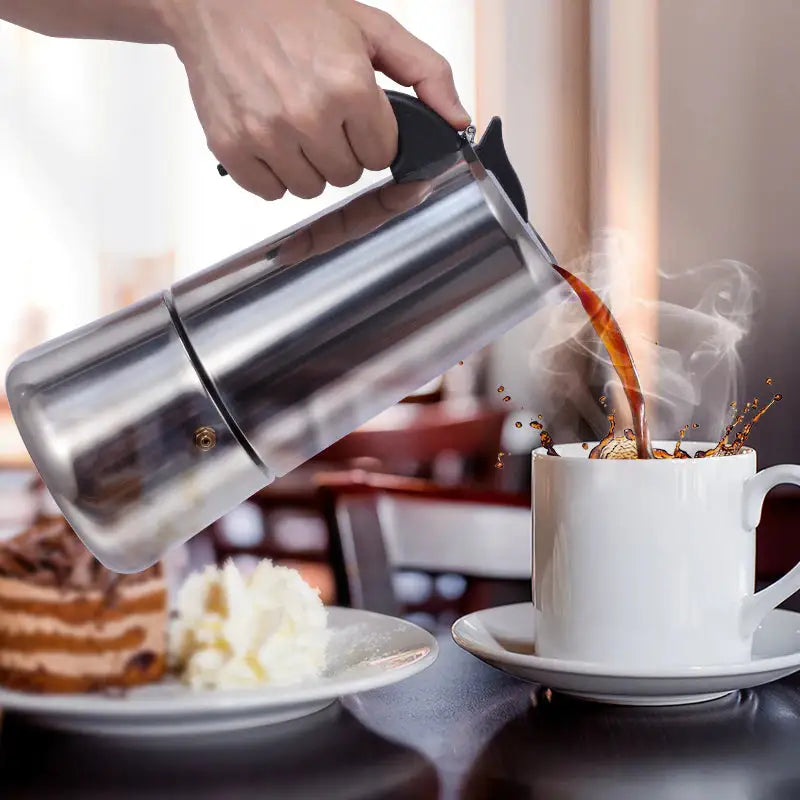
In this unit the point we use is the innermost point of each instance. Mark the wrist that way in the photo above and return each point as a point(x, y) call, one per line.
point(170, 19)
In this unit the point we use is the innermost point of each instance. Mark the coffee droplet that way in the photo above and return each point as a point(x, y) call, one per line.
point(768, 381)
point(460, 363)
point(501, 388)
point(778, 397)
point(733, 404)
point(695, 425)
point(507, 398)
point(499, 463)
point(585, 446)
point(602, 399)
point(536, 425)
point(517, 424)
point(539, 417)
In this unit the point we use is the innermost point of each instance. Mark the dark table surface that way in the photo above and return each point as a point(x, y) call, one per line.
point(460, 729)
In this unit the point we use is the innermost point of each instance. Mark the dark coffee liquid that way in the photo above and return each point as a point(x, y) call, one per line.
point(610, 334)
point(725, 447)
point(544, 437)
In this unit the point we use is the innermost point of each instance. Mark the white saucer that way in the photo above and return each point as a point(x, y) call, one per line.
point(504, 638)
point(367, 650)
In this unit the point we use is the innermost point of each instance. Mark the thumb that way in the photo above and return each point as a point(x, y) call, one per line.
point(407, 60)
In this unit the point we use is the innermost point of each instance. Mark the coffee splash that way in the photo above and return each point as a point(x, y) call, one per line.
point(544, 436)
point(747, 418)
point(636, 443)
point(690, 347)
point(702, 315)
point(613, 446)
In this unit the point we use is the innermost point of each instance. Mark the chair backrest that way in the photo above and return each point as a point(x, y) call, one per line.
point(379, 524)
point(470, 536)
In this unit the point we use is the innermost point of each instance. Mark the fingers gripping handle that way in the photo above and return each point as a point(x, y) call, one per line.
point(423, 137)
point(758, 605)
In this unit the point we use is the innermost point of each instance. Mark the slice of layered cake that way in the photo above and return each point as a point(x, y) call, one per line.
point(67, 624)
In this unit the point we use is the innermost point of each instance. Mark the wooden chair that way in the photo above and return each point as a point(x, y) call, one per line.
point(385, 528)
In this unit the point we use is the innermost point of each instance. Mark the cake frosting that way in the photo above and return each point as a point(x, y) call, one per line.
point(236, 631)
point(67, 624)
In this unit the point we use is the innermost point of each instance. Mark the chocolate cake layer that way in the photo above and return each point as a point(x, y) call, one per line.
point(67, 624)
point(136, 673)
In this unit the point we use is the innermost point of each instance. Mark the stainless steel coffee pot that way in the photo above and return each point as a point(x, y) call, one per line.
point(151, 423)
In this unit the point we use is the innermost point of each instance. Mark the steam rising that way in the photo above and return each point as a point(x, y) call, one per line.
point(702, 316)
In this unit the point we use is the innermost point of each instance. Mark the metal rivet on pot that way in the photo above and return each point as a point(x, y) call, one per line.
point(205, 438)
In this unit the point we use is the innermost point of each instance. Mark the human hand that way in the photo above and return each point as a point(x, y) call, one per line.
point(286, 93)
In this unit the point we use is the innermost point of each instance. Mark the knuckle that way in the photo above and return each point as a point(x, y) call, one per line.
point(382, 154)
point(245, 181)
point(225, 145)
point(348, 85)
point(274, 192)
point(306, 116)
point(346, 176)
point(263, 126)
point(441, 67)
point(382, 18)
point(309, 190)
point(254, 126)
point(257, 182)
point(377, 161)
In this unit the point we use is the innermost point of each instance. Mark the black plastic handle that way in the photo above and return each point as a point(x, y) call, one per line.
point(422, 136)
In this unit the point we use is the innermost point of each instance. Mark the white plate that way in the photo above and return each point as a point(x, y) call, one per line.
point(504, 638)
point(367, 650)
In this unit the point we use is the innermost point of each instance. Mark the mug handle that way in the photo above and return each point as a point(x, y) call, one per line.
point(756, 488)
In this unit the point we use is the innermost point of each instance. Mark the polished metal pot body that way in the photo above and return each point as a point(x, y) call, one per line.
point(150, 424)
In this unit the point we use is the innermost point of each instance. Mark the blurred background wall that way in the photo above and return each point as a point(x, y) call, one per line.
point(729, 93)
point(672, 123)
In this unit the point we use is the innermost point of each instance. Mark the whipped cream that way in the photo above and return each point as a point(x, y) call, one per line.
point(236, 631)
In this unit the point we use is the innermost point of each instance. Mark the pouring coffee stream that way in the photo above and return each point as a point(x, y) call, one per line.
point(610, 334)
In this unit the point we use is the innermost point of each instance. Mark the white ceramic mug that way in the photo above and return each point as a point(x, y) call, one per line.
point(650, 563)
